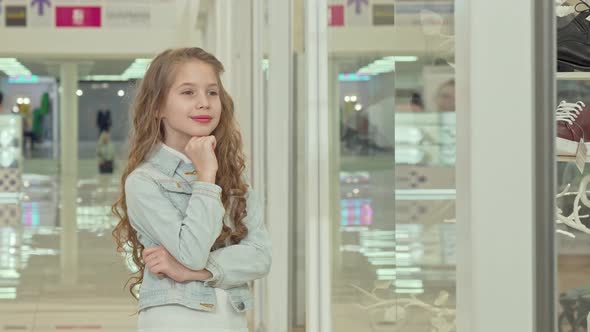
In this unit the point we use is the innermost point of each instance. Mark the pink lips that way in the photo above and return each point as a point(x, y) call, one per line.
point(201, 118)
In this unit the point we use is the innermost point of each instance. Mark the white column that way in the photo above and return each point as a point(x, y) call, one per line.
point(279, 170)
point(187, 33)
point(68, 119)
point(334, 168)
point(258, 146)
point(223, 28)
point(319, 170)
point(241, 69)
point(68, 115)
point(497, 166)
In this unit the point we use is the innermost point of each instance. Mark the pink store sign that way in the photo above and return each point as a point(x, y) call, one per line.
point(76, 17)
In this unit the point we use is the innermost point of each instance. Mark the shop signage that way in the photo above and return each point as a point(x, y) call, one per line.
point(16, 16)
point(127, 17)
point(41, 6)
point(335, 15)
point(358, 13)
point(383, 14)
point(78, 17)
point(358, 5)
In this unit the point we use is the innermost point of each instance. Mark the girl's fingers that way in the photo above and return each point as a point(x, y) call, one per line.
point(150, 251)
point(150, 259)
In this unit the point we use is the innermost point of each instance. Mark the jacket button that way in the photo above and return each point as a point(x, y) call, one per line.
point(241, 306)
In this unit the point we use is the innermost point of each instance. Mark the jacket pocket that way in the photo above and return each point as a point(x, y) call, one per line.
point(178, 193)
point(179, 187)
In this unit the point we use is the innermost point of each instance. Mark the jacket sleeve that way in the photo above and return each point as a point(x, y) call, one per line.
point(249, 260)
point(188, 239)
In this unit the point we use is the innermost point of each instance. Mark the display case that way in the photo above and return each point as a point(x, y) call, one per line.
point(10, 168)
point(573, 224)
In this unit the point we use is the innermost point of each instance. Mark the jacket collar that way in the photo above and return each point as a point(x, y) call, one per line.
point(168, 162)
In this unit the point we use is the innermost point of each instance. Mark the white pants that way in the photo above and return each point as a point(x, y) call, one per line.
point(178, 318)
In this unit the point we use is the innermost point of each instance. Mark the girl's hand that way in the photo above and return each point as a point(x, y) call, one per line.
point(201, 151)
point(159, 262)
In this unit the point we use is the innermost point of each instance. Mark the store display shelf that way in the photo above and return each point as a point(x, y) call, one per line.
point(570, 159)
point(425, 194)
point(573, 76)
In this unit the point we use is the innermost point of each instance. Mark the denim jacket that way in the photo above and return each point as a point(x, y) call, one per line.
point(168, 206)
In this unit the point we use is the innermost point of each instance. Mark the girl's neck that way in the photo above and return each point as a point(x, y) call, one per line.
point(177, 143)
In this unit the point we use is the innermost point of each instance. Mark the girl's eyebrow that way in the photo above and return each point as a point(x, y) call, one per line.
point(210, 85)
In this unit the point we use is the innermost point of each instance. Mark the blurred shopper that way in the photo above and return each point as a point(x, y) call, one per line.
point(445, 97)
point(103, 121)
point(191, 223)
point(416, 103)
point(105, 151)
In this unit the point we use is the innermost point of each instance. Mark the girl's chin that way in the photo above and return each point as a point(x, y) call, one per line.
point(199, 133)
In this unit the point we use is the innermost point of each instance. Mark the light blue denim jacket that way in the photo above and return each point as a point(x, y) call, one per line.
point(169, 207)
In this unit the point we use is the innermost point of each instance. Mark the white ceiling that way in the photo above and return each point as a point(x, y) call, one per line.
point(43, 67)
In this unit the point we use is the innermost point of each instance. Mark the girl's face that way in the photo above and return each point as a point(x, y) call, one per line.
point(192, 107)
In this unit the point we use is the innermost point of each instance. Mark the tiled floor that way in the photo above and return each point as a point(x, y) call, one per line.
point(58, 266)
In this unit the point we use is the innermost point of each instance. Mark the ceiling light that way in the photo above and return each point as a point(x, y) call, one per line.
point(353, 77)
point(398, 58)
point(11, 67)
point(104, 78)
point(79, 93)
point(347, 99)
point(135, 71)
point(384, 65)
point(23, 79)
point(353, 99)
point(121, 93)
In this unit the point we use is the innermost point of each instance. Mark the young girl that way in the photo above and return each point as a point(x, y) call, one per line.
point(193, 226)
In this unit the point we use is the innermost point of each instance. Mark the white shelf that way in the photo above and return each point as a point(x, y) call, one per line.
point(570, 159)
point(573, 76)
point(425, 194)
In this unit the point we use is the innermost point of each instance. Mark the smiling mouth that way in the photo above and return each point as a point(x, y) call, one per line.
point(201, 118)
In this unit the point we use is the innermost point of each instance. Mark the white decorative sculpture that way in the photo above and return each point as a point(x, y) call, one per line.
point(442, 319)
point(574, 219)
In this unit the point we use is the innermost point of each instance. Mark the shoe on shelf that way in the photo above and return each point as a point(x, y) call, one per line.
point(573, 44)
point(573, 124)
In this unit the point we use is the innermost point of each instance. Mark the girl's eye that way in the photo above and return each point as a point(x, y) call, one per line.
point(213, 93)
point(188, 92)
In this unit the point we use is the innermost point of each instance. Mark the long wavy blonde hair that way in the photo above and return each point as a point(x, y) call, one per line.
point(148, 132)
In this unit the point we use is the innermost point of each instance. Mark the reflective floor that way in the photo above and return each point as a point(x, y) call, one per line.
point(59, 269)
point(58, 266)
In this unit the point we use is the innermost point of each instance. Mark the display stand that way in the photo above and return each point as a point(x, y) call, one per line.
point(10, 158)
point(573, 239)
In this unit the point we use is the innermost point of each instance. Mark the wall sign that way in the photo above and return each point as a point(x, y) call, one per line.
point(78, 17)
point(16, 16)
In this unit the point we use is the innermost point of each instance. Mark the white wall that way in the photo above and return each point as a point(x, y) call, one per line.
point(173, 24)
point(400, 40)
